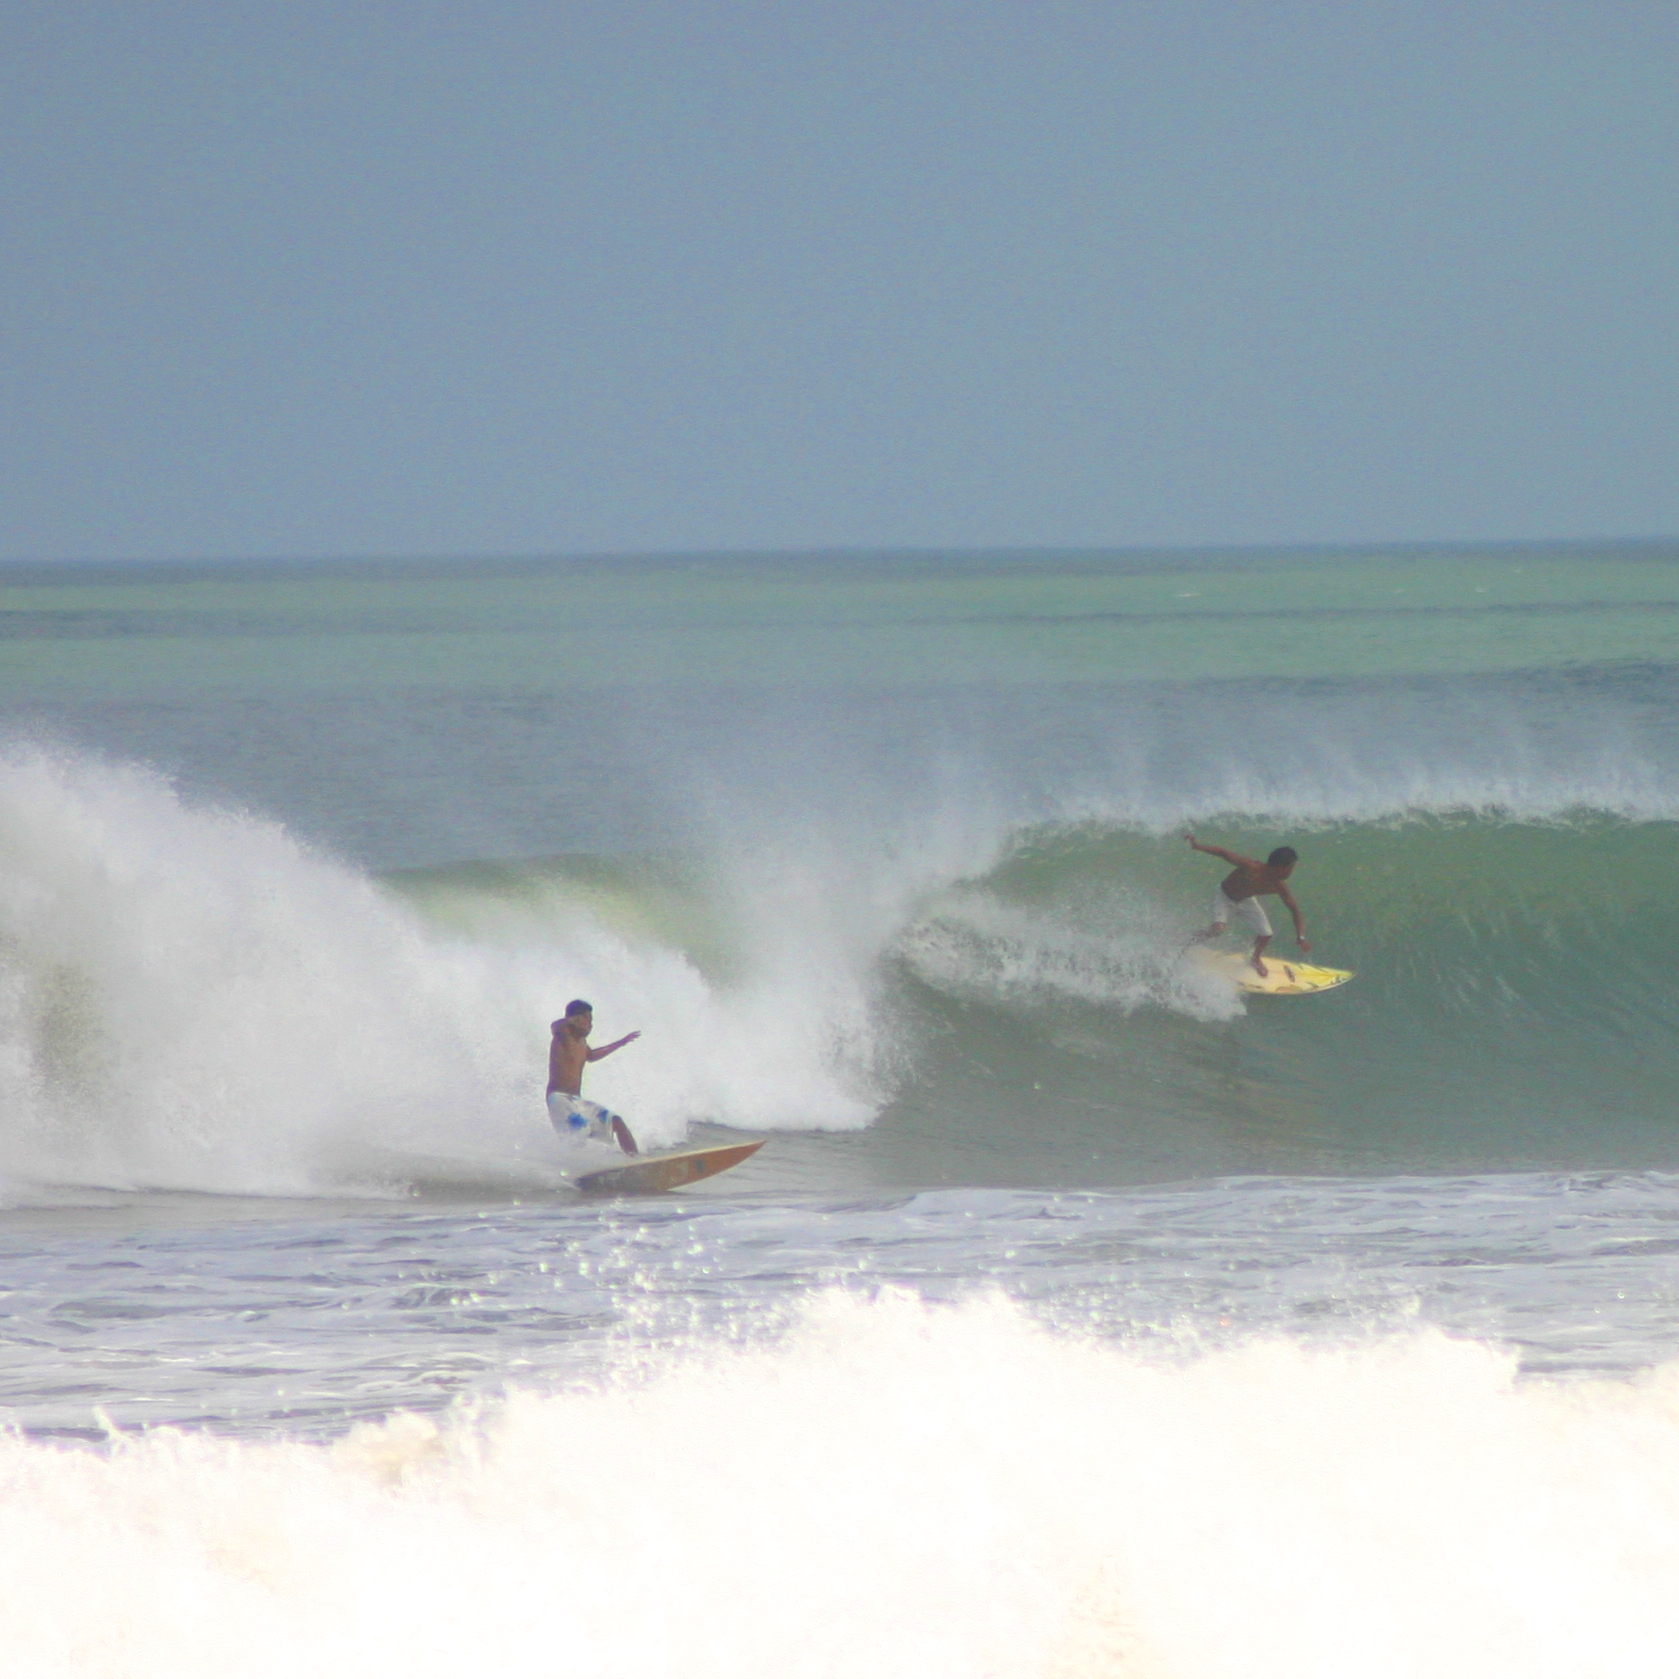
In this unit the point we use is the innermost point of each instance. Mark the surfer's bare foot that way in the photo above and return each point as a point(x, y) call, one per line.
point(1259, 966)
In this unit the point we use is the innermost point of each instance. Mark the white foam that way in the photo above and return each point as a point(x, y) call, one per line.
point(191, 998)
point(1124, 953)
point(897, 1492)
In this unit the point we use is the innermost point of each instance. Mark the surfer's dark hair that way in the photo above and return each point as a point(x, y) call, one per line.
point(578, 1006)
point(1279, 859)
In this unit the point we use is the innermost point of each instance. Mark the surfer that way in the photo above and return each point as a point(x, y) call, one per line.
point(1239, 893)
point(568, 1054)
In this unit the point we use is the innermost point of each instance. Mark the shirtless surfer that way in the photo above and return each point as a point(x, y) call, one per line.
point(569, 1053)
point(1240, 891)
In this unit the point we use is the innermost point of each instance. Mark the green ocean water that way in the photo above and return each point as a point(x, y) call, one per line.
point(1004, 619)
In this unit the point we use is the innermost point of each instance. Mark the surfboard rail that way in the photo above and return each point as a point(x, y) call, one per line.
point(652, 1174)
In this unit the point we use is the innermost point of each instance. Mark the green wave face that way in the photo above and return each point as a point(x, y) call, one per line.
point(1515, 1001)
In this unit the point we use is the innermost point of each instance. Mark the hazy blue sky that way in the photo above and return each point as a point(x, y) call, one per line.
point(305, 278)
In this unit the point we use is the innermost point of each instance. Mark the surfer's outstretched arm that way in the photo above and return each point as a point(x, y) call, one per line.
point(607, 1049)
point(1232, 857)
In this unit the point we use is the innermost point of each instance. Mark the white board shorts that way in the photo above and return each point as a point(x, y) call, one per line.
point(578, 1120)
point(1249, 911)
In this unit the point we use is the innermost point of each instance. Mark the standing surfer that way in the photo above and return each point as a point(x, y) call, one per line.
point(568, 1054)
point(1239, 893)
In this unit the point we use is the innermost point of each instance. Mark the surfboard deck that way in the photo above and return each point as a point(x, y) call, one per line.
point(648, 1174)
point(1282, 979)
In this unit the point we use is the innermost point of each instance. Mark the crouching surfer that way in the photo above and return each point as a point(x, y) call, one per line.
point(1239, 893)
point(568, 1055)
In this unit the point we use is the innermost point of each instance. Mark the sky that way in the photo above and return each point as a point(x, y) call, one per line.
point(408, 278)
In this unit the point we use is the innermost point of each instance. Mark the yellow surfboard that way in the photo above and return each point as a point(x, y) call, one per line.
point(647, 1174)
point(1282, 978)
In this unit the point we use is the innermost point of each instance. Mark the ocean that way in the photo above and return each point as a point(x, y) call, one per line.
point(1079, 1317)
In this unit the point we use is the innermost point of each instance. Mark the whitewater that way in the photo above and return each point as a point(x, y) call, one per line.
point(1079, 1317)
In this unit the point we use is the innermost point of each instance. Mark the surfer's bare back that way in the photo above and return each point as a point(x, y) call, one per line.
point(568, 1054)
point(1240, 891)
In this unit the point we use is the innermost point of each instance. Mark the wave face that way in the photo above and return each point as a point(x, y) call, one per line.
point(1514, 1002)
point(193, 999)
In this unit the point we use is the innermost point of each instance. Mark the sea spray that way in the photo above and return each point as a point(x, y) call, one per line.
point(190, 997)
point(1102, 947)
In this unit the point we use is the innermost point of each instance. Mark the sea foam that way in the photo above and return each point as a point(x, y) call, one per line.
point(897, 1491)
